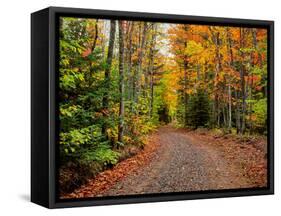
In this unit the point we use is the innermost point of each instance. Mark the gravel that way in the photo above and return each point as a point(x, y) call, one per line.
point(181, 164)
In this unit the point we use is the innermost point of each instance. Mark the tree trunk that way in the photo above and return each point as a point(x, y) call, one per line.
point(107, 72)
point(237, 111)
point(223, 115)
point(185, 67)
point(242, 78)
point(185, 93)
point(140, 56)
point(230, 53)
point(121, 83)
point(96, 36)
point(229, 108)
point(216, 40)
point(151, 69)
point(151, 95)
point(130, 75)
point(254, 41)
point(217, 71)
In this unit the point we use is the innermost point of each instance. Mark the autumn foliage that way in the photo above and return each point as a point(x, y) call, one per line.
point(120, 80)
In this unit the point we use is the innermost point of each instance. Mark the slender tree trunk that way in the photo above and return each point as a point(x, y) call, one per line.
point(151, 69)
point(224, 115)
point(93, 48)
point(218, 114)
point(140, 58)
point(254, 41)
point(229, 108)
point(96, 36)
point(185, 67)
point(218, 67)
point(242, 78)
point(237, 111)
point(216, 38)
point(121, 83)
point(185, 93)
point(107, 72)
point(103, 44)
point(130, 75)
point(230, 53)
point(151, 95)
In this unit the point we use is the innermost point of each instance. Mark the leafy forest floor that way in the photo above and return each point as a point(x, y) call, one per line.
point(176, 160)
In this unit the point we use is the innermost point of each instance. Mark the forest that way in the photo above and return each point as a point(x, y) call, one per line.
point(120, 80)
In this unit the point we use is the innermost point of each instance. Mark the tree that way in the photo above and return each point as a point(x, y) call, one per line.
point(142, 42)
point(117, 85)
point(107, 71)
point(242, 79)
point(121, 83)
point(179, 39)
point(198, 109)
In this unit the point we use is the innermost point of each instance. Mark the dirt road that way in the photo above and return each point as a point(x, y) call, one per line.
point(181, 163)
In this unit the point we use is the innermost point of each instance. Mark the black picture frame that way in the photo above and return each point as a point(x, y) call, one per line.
point(44, 102)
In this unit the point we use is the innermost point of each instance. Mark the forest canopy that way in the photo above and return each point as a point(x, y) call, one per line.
point(119, 80)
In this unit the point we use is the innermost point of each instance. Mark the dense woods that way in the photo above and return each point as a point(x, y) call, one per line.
point(120, 80)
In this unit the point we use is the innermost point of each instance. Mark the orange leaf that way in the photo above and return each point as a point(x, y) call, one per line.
point(86, 52)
